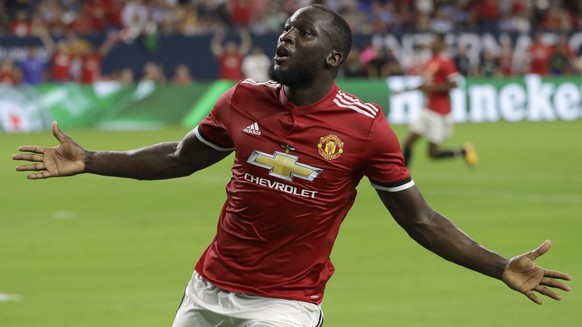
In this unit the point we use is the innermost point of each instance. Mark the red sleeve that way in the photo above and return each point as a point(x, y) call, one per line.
point(214, 127)
point(384, 163)
point(449, 68)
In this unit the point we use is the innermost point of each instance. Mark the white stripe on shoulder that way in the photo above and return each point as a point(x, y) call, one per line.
point(210, 144)
point(394, 189)
point(345, 101)
point(357, 109)
point(253, 82)
point(351, 99)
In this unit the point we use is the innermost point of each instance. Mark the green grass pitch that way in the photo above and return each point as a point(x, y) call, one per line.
point(97, 251)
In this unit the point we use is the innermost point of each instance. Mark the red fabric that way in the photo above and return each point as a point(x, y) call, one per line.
point(230, 66)
point(277, 228)
point(436, 71)
point(241, 12)
point(489, 9)
point(539, 59)
point(61, 66)
point(20, 28)
point(90, 68)
point(8, 77)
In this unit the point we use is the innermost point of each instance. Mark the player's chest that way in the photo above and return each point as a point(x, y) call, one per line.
point(300, 146)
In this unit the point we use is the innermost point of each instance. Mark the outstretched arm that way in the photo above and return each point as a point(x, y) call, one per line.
point(159, 161)
point(439, 235)
point(246, 41)
point(216, 43)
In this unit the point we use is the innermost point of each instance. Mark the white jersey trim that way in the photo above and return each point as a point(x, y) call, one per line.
point(210, 144)
point(345, 101)
point(395, 188)
point(251, 81)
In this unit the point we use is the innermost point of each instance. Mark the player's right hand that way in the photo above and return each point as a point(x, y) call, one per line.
point(65, 159)
point(525, 276)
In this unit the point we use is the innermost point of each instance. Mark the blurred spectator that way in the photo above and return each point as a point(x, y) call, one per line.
point(9, 74)
point(561, 57)
point(231, 55)
point(489, 13)
point(61, 57)
point(126, 76)
point(461, 60)
point(256, 64)
point(153, 72)
point(90, 59)
point(241, 12)
point(556, 18)
point(192, 21)
point(441, 21)
point(182, 75)
point(21, 25)
point(505, 60)
point(145, 20)
point(134, 14)
point(488, 64)
point(33, 67)
point(384, 64)
point(352, 66)
point(368, 53)
point(538, 56)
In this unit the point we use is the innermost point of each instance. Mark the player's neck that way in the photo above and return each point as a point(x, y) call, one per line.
point(304, 96)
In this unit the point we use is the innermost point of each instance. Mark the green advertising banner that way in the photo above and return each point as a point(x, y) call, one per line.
point(110, 105)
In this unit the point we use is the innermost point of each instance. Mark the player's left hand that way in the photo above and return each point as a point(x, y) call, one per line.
point(525, 276)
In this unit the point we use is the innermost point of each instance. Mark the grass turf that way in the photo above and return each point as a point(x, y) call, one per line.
point(97, 251)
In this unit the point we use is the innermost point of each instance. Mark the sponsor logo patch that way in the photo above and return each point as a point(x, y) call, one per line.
point(252, 129)
point(330, 147)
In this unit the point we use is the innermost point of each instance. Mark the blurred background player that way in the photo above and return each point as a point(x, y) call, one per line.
point(435, 122)
point(256, 65)
point(231, 55)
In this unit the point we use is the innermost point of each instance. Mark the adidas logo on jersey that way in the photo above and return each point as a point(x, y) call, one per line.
point(253, 129)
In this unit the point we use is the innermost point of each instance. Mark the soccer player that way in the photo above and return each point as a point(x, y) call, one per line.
point(435, 122)
point(301, 147)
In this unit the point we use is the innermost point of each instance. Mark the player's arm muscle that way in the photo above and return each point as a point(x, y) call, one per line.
point(158, 161)
point(438, 234)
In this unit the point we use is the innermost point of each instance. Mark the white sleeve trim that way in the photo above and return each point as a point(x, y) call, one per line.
point(210, 144)
point(394, 189)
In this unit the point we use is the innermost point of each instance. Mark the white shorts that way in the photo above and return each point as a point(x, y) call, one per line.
point(436, 128)
point(205, 305)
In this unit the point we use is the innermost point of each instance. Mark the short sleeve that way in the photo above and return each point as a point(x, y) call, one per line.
point(383, 162)
point(213, 129)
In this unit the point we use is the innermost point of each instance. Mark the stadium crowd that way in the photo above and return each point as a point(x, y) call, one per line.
point(69, 20)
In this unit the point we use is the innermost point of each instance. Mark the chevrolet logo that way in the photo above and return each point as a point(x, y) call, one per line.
point(283, 165)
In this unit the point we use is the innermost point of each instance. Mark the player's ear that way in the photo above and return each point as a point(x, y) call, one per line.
point(334, 58)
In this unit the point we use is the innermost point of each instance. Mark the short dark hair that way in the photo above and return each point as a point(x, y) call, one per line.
point(340, 31)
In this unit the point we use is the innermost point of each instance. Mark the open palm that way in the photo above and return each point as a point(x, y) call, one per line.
point(66, 159)
point(525, 276)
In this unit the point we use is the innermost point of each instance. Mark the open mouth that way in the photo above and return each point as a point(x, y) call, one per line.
point(281, 55)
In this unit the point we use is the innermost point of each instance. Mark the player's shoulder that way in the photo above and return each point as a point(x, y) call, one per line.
point(249, 90)
point(268, 86)
point(358, 107)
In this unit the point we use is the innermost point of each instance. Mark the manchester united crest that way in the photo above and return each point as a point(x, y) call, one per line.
point(330, 147)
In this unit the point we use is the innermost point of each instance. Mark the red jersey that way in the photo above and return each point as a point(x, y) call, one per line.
point(439, 70)
point(293, 182)
point(61, 66)
point(230, 66)
point(8, 77)
point(539, 59)
point(90, 68)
